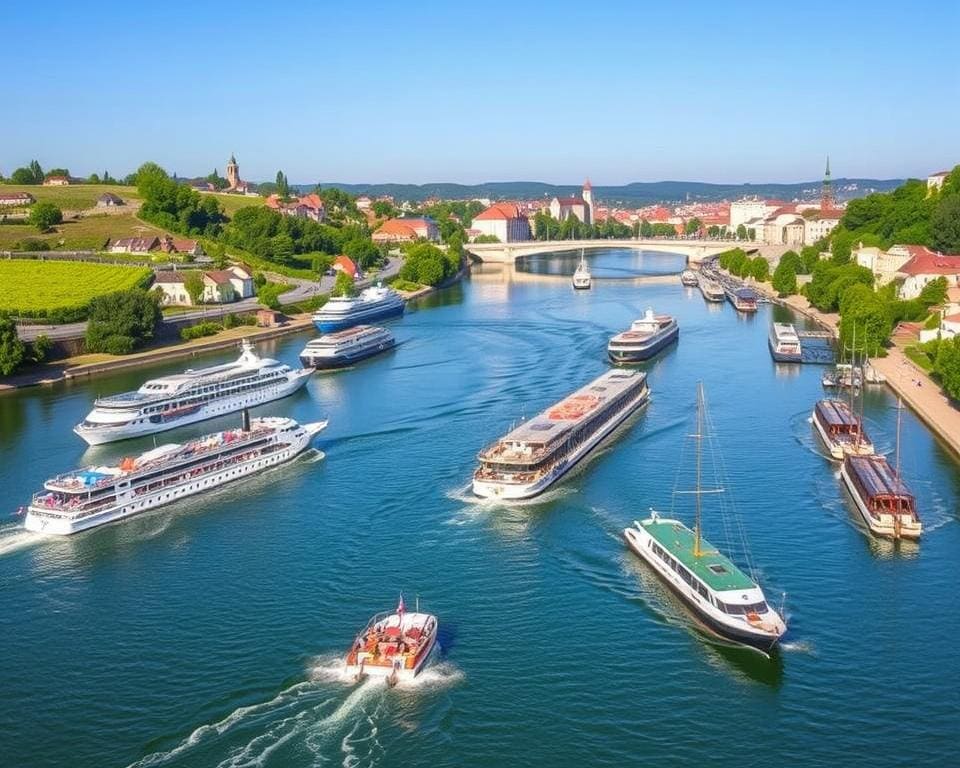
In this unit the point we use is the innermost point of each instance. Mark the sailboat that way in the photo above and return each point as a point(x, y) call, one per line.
point(582, 279)
point(883, 500)
point(839, 425)
point(725, 600)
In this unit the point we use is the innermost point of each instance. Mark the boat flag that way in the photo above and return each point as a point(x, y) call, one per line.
point(400, 607)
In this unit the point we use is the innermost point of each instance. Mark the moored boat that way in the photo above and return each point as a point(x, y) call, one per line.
point(530, 458)
point(192, 396)
point(394, 646)
point(841, 429)
point(86, 498)
point(345, 311)
point(346, 347)
point(582, 279)
point(724, 599)
point(785, 343)
point(712, 290)
point(645, 338)
point(688, 278)
point(744, 300)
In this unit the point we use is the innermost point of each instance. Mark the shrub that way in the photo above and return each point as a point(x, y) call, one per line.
point(44, 215)
point(121, 321)
point(200, 330)
point(40, 348)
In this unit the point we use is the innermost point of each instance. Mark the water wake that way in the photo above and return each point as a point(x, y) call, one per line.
point(14, 538)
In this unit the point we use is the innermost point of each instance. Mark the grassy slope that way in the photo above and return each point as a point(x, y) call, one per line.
point(88, 233)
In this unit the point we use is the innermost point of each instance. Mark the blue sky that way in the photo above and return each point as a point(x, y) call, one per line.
point(491, 91)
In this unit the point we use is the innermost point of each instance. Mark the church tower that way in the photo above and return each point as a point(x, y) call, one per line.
point(233, 173)
point(826, 190)
point(587, 195)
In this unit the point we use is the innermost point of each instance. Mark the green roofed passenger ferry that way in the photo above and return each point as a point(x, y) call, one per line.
point(725, 600)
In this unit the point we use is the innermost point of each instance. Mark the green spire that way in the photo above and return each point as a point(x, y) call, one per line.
point(233, 161)
point(827, 175)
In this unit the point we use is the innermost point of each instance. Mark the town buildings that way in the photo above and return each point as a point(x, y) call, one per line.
point(219, 286)
point(305, 207)
point(504, 221)
point(925, 266)
point(56, 181)
point(935, 181)
point(347, 265)
point(406, 230)
point(236, 184)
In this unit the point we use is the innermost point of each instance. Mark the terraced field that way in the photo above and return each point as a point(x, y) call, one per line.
point(48, 288)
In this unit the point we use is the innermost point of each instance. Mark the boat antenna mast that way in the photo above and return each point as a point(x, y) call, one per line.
point(897, 522)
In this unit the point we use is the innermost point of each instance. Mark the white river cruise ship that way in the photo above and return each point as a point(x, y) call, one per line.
point(530, 458)
point(86, 498)
point(191, 396)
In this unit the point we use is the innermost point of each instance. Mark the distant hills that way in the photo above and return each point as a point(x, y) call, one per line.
point(637, 193)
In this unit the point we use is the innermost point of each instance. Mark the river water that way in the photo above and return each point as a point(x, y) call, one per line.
point(210, 633)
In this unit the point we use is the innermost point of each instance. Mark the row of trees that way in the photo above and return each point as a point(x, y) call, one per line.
point(120, 322)
point(429, 265)
point(571, 228)
point(737, 262)
point(175, 206)
point(34, 174)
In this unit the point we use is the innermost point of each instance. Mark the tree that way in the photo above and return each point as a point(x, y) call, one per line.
point(785, 278)
point(428, 265)
point(93, 179)
point(44, 215)
point(947, 366)
point(12, 349)
point(934, 292)
point(383, 209)
point(864, 317)
point(193, 284)
point(56, 172)
point(362, 251)
point(760, 269)
point(37, 172)
point(23, 176)
point(945, 224)
point(646, 229)
point(283, 188)
point(120, 322)
point(692, 226)
point(713, 231)
point(40, 348)
point(741, 232)
point(343, 286)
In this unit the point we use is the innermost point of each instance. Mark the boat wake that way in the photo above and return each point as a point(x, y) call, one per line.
point(798, 646)
point(475, 507)
point(316, 715)
point(14, 538)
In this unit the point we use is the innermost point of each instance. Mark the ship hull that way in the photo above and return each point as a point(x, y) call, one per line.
point(637, 541)
point(837, 450)
point(221, 407)
point(329, 325)
point(640, 353)
point(518, 491)
point(343, 361)
point(784, 357)
point(37, 522)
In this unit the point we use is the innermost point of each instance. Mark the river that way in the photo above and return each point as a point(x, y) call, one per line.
point(210, 633)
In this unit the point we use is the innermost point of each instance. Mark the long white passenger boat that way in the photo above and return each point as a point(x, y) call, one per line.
point(86, 498)
point(345, 311)
point(530, 458)
point(343, 348)
point(191, 396)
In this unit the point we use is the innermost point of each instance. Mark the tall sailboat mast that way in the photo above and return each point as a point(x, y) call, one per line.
point(897, 522)
point(699, 438)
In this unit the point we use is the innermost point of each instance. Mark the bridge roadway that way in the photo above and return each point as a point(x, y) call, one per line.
point(508, 253)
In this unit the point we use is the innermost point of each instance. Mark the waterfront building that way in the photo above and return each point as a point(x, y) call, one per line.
point(406, 230)
point(582, 207)
point(926, 265)
point(503, 221)
point(750, 210)
point(885, 265)
point(109, 200)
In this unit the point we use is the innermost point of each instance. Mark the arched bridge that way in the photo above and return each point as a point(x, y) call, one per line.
point(508, 253)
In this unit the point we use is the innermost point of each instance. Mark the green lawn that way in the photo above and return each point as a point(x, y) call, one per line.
point(232, 203)
point(76, 197)
point(919, 357)
point(36, 288)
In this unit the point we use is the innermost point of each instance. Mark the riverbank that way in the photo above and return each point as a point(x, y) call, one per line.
point(910, 382)
point(92, 365)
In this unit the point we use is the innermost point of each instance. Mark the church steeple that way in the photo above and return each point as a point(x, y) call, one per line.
point(826, 190)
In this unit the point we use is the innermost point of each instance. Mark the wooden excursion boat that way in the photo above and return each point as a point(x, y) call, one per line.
point(841, 429)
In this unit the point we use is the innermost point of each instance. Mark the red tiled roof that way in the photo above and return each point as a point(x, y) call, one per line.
point(312, 201)
point(570, 200)
point(346, 264)
point(499, 211)
point(220, 276)
point(273, 202)
point(952, 318)
point(923, 261)
point(397, 227)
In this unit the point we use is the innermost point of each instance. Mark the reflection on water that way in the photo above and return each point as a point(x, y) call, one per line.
point(604, 263)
